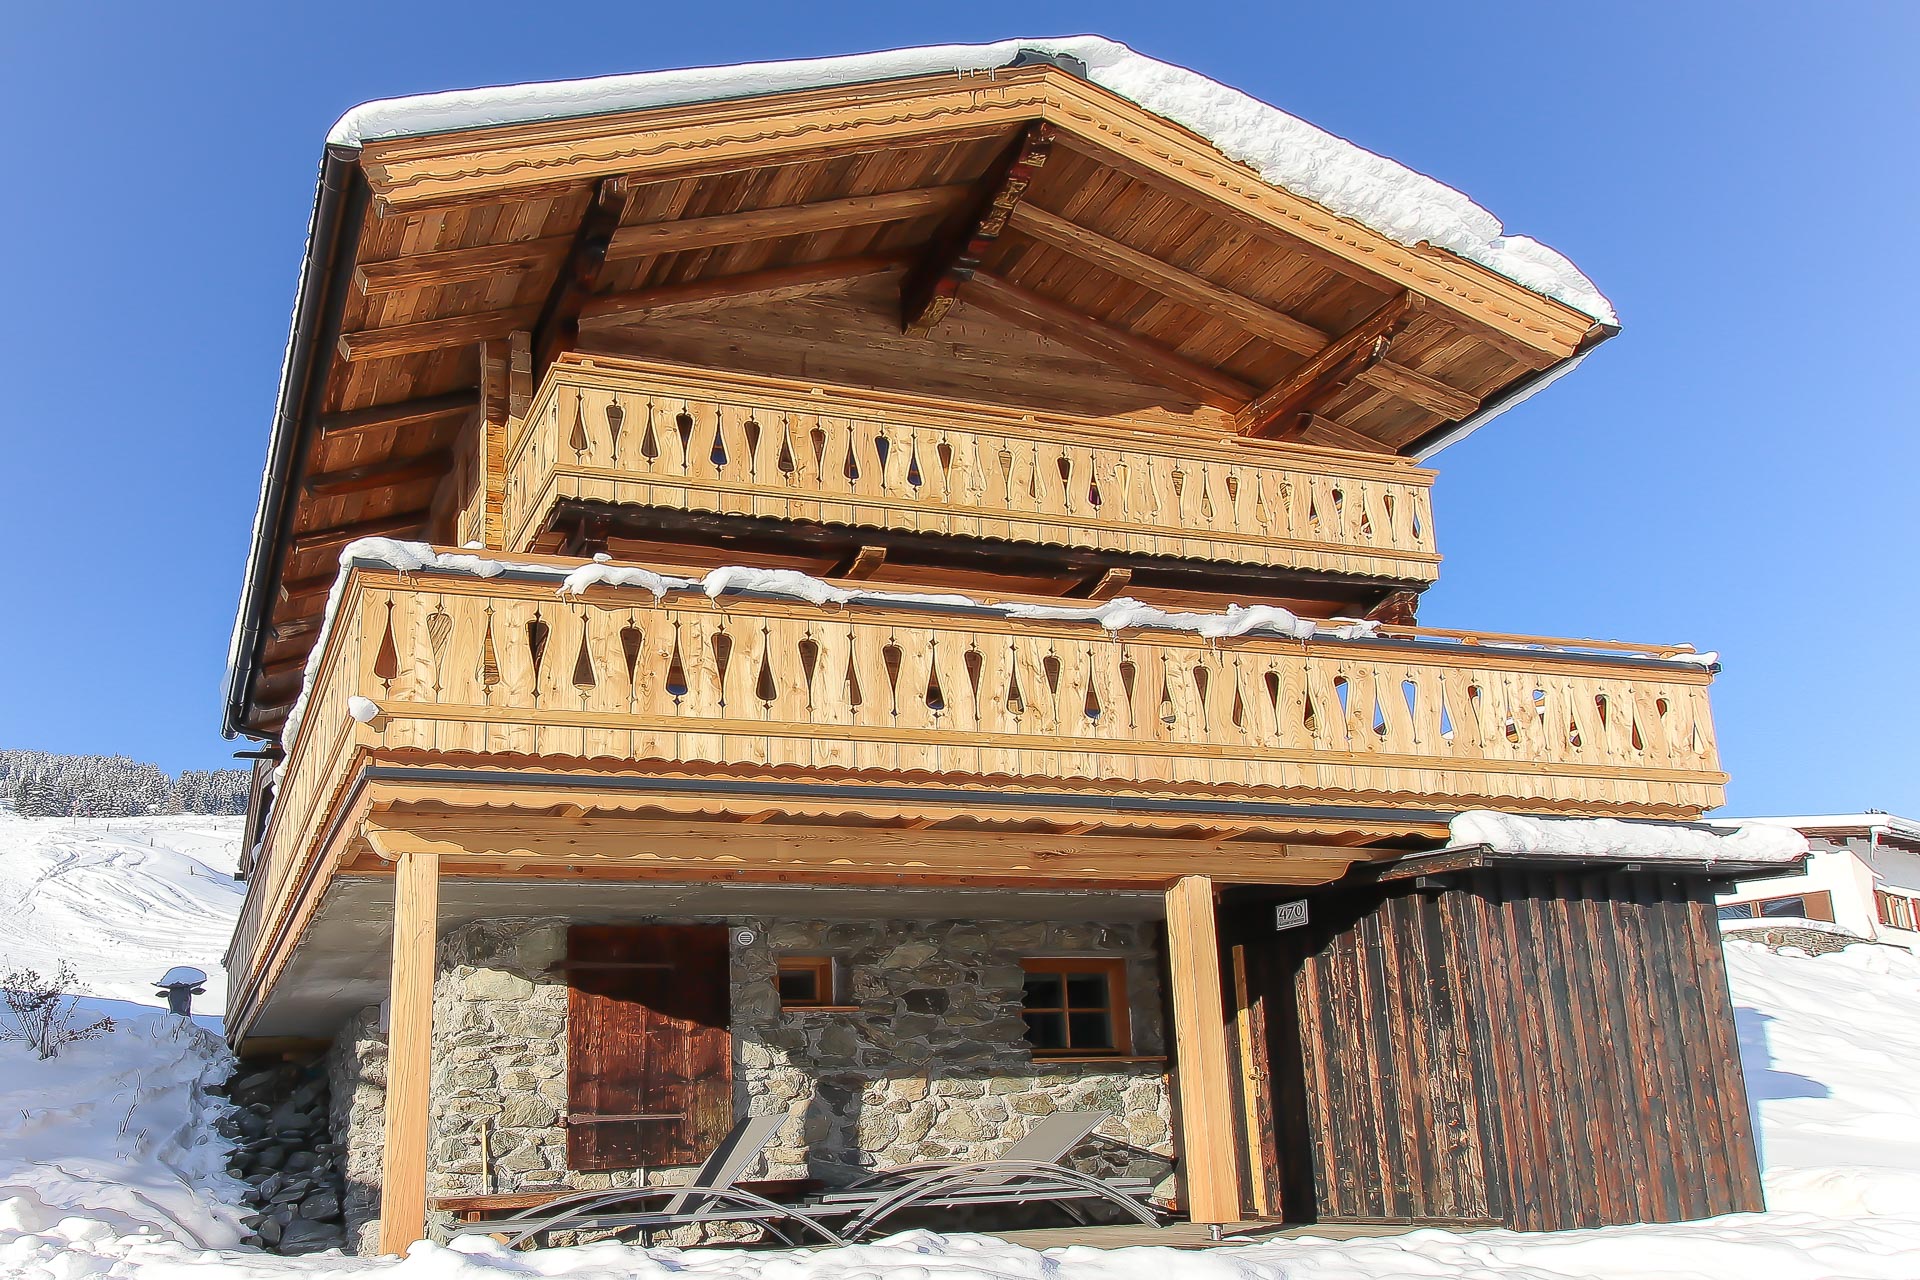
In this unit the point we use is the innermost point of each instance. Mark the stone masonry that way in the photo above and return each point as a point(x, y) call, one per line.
point(929, 1061)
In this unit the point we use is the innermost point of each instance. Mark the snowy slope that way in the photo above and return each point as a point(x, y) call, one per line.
point(1831, 1048)
point(122, 899)
point(110, 1169)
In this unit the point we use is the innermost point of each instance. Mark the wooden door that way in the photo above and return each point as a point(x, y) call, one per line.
point(649, 1053)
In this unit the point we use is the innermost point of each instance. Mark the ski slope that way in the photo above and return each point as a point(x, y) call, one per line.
point(121, 899)
point(109, 1166)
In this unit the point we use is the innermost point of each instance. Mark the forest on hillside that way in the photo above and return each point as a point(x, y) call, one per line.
point(39, 784)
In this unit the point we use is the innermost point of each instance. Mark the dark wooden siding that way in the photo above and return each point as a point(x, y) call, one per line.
point(647, 1036)
point(1545, 1049)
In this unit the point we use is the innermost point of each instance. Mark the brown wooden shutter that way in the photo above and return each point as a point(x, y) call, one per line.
point(649, 1053)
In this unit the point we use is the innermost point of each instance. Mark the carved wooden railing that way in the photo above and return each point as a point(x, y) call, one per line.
point(625, 433)
point(457, 665)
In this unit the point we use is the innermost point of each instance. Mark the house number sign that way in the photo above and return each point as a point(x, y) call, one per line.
point(1289, 915)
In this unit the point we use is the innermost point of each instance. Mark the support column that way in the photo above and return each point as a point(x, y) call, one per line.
point(403, 1169)
point(1209, 1162)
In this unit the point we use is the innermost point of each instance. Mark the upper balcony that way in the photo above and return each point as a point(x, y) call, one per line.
point(606, 431)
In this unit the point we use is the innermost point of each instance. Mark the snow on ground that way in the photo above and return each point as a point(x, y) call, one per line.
point(123, 899)
point(110, 1169)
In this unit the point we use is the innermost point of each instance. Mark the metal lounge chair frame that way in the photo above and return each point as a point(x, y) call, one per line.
point(710, 1196)
point(1031, 1171)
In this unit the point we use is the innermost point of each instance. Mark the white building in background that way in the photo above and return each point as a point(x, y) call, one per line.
point(1864, 876)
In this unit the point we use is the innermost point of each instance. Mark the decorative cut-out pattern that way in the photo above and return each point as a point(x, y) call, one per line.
point(1004, 697)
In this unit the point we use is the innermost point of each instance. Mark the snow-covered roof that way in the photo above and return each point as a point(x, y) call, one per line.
point(1870, 820)
point(1613, 840)
point(1379, 193)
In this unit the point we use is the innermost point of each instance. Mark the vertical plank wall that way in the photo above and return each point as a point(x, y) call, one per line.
point(1546, 1049)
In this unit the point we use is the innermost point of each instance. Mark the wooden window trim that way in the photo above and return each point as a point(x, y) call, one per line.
point(1117, 1010)
point(1897, 910)
point(822, 969)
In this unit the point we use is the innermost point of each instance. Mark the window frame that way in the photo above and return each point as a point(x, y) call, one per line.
point(1119, 1014)
point(824, 972)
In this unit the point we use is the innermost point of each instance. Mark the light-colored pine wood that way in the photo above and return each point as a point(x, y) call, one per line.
point(670, 850)
point(431, 335)
point(924, 465)
point(1128, 351)
point(1275, 326)
point(813, 124)
point(448, 266)
point(1254, 1081)
point(678, 235)
point(772, 285)
point(1209, 1155)
point(403, 1168)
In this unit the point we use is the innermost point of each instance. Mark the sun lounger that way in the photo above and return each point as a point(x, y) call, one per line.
point(1031, 1171)
point(713, 1195)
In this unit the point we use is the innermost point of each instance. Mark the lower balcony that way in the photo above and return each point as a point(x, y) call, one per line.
point(887, 738)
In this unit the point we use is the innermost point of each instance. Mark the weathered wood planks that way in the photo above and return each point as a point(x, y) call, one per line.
point(1549, 1050)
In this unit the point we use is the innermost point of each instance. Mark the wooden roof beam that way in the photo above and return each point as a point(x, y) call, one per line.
point(1258, 319)
point(927, 293)
point(431, 335)
point(1117, 346)
point(452, 266)
point(772, 285)
point(558, 325)
point(392, 473)
point(1278, 411)
point(650, 238)
point(400, 524)
point(402, 413)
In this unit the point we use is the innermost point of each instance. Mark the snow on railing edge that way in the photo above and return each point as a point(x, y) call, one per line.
point(1121, 614)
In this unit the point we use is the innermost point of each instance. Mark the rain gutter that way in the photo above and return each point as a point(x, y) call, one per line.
point(325, 277)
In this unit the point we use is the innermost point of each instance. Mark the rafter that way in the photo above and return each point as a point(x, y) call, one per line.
point(431, 335)
point(399, 524)
point(1276, 412)
point(403, 413)
point(927, 293)
point(390, 473)
point(753, 225)
point(774, 284)
point(1263, 321)
point(451, 266)
point(1115, 345)
point(302, 588)
point(559, 322)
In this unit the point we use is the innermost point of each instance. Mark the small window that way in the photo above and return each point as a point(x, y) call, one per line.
point(806, 982)
point(1076, 1008)
point(1737, 911)
point(1784, 907)
point(1897, 911)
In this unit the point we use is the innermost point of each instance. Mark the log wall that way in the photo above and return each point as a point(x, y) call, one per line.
point(1545, 1049)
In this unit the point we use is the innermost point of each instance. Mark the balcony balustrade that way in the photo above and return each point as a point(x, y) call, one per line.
point(619, 433)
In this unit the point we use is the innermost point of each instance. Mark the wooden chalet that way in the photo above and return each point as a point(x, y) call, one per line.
point(927, 836)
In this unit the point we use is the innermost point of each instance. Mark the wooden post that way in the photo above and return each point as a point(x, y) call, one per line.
point(403, 1167)
point(1209, 1163)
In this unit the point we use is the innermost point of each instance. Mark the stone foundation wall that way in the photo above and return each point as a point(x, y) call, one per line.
point(931, 1062)
point(357, 1076)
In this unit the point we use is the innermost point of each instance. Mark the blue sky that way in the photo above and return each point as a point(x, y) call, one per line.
point(1736, 469)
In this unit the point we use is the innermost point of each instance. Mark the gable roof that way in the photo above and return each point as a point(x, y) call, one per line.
point(1343, 177)
point(1183, 233)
